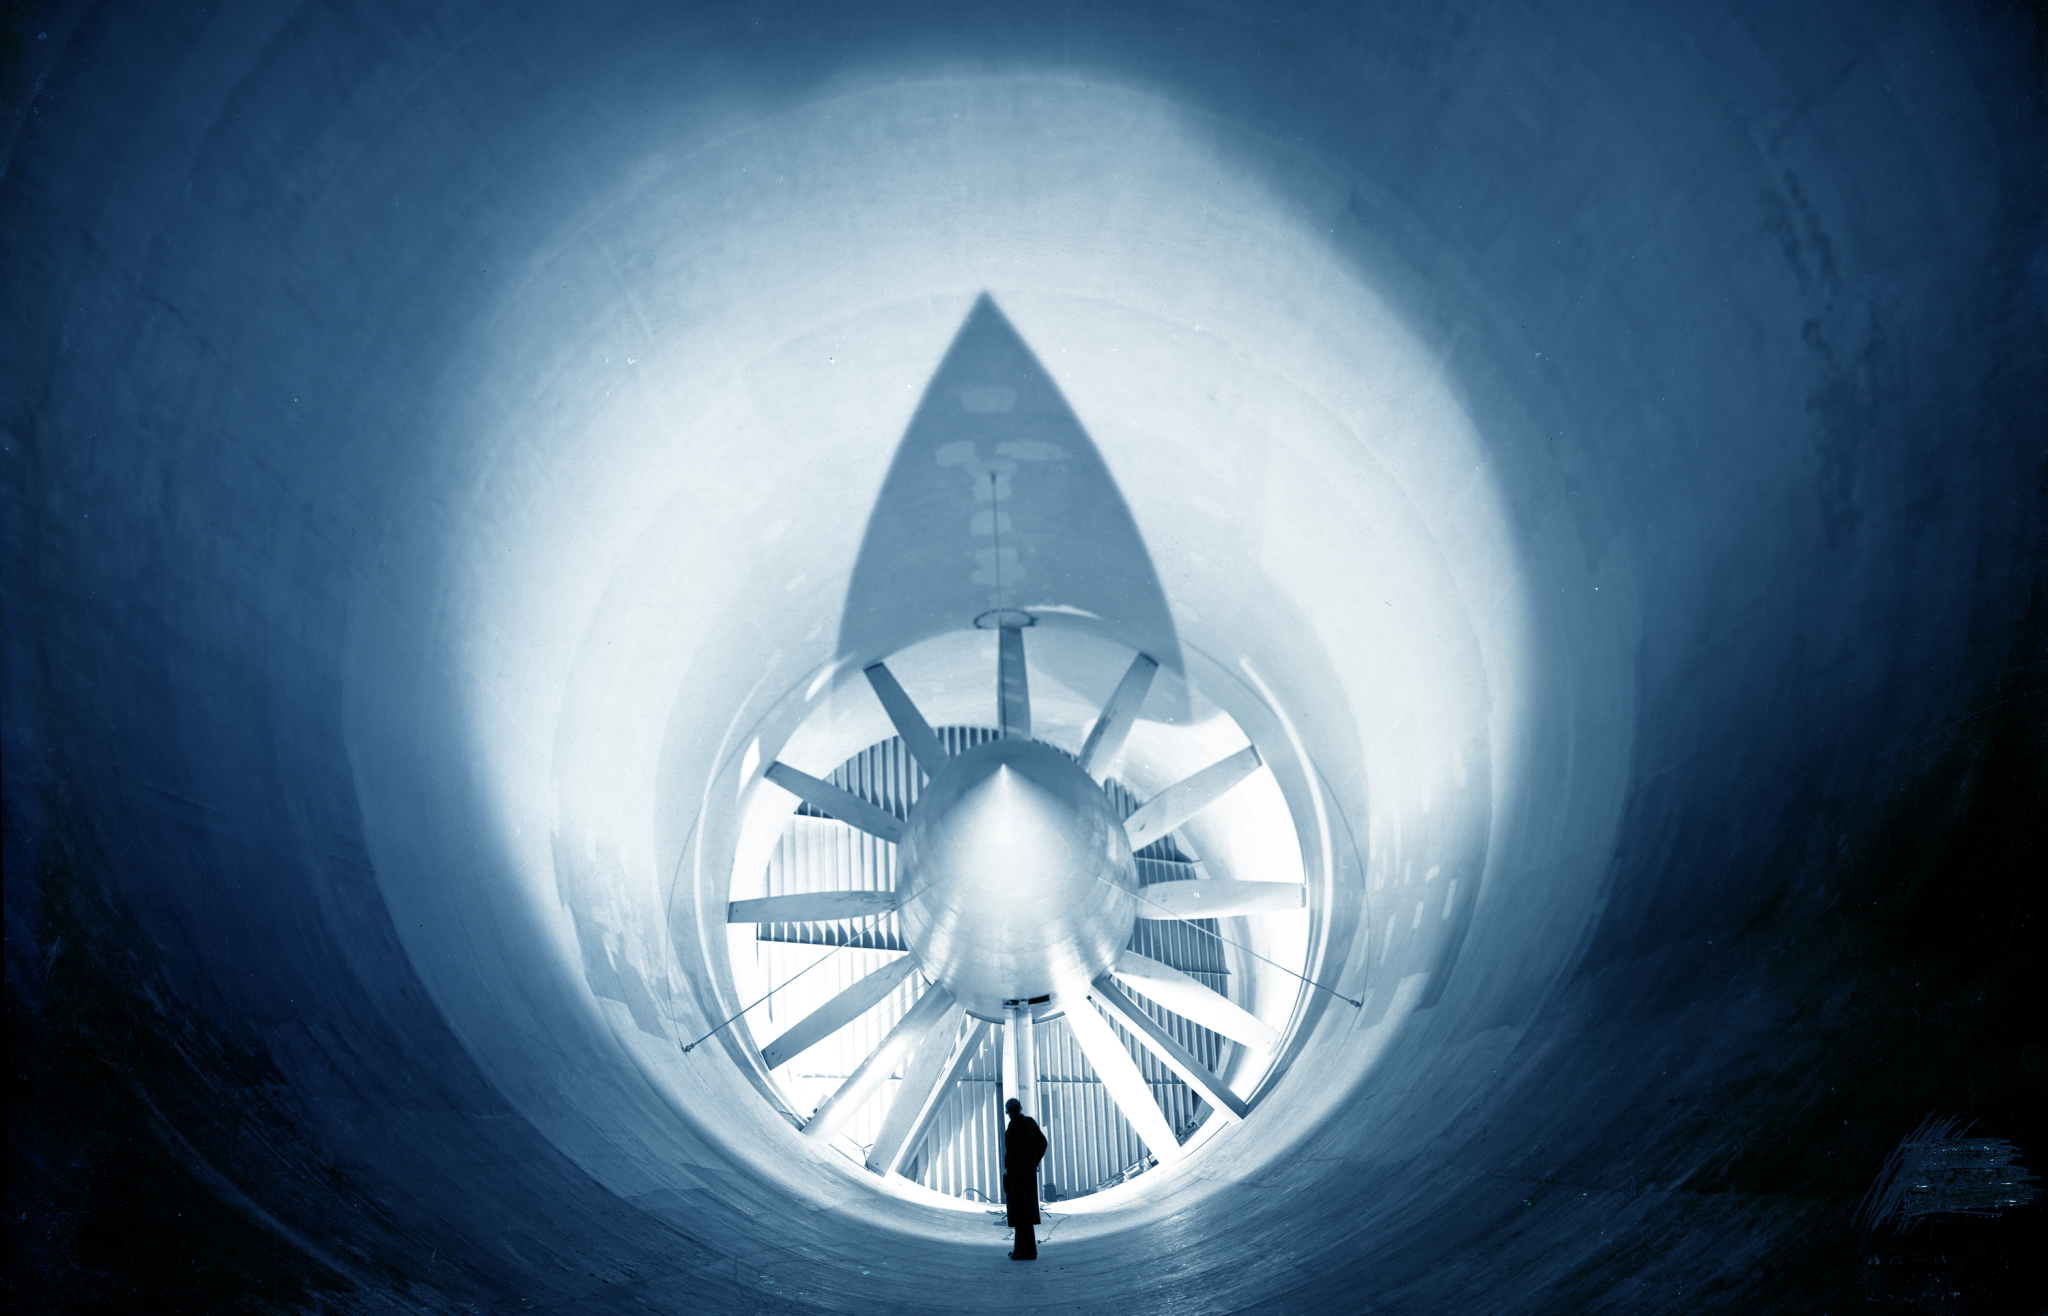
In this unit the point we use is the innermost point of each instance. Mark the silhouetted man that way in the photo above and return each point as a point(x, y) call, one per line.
point(1023, 1147)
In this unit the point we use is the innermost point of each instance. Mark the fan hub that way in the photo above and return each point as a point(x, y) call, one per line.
point(1016, 877)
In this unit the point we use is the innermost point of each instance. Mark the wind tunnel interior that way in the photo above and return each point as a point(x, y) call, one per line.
point(1593, 451)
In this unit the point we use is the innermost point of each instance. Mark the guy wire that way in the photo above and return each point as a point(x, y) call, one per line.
point(1139, 893)
point(779, 986)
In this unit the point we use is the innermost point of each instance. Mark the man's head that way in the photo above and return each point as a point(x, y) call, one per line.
point(1014, 1106)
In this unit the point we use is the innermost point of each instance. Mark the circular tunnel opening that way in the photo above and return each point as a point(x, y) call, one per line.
point(1384, 700)
point(1242, 941)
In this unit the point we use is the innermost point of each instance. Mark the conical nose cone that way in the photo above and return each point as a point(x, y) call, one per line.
point(1015, 875)
point(1007, 813)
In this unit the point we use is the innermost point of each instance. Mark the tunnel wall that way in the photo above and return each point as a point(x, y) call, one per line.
point(1736, 304)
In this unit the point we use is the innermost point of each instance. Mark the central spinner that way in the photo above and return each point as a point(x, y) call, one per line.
point(1015, 878)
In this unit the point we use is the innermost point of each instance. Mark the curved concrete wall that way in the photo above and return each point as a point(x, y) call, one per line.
point(1601, 447)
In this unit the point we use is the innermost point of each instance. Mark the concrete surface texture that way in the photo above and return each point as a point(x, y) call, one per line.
point(1594, 451)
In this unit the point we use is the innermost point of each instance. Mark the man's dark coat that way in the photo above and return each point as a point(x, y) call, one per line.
point(1023, 1146)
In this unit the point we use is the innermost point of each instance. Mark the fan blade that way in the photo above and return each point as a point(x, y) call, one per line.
point(1106, 738)
point(1218, 898)
point(828, 799)
point(1183, 800)
point(836, 1013)
point(935, 1101)
point(917, 1091)
point(1184, 996)
point(816, 907)
point(1015, 687)
point(1163, 1044)
point(932, 1009)
point(918, 737)
point(1123, 1080)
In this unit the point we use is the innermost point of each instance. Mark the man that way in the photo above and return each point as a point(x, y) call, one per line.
point(1023, 1147)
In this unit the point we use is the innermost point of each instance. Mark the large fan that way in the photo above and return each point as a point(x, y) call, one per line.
point(1016, 893)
